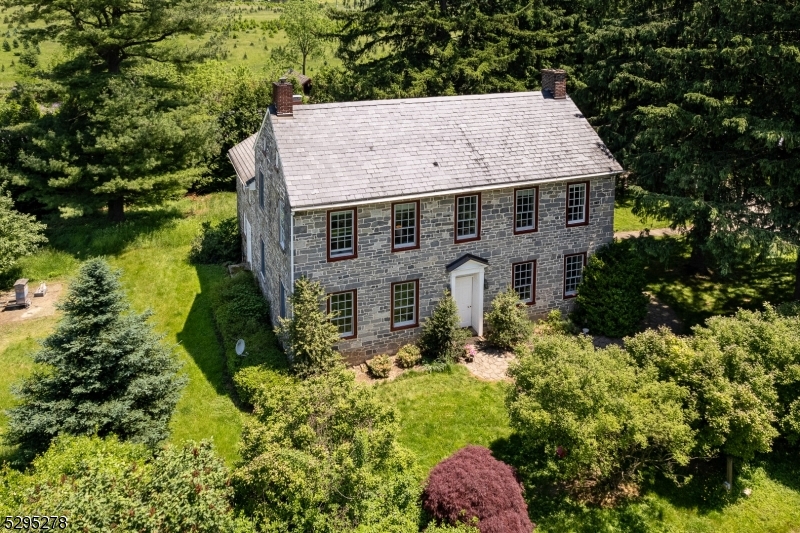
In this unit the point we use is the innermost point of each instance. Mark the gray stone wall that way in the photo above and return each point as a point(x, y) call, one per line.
point(265, 221)
point(376, 266)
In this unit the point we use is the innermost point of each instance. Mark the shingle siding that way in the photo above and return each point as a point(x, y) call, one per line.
point(377, 267)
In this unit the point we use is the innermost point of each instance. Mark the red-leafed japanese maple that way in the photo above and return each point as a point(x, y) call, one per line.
point(472, 483)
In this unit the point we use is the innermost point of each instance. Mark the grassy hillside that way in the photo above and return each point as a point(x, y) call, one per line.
point(151, 249)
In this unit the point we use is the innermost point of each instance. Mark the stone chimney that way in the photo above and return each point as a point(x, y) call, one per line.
point(554, 83)
point(283, 97)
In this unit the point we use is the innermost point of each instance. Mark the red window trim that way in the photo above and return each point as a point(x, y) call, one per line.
point(417, 233)
point(585, 207)
point(355, 312)
point(456, 240)
point(564, 275)
point(533, 279)
point(416, 306)
point(535, 212)
point(328, 235)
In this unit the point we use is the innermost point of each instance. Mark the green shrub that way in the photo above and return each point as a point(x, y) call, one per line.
point(28, 57)
point(442, 339)
point(380, 366)
point(309, 336)
point(732, 396)
point(408, 356)
point(507, 320)
point(592, 415)
point(252, 381)
point(217, 244)
point(322, 455)
point(556, 323)
point(241, 312)
point(104, 485)
point(610, 297)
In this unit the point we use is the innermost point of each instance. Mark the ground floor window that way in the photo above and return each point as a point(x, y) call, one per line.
point(343, 306)
point(524, 280)
point(573, 273)
point(405, 304)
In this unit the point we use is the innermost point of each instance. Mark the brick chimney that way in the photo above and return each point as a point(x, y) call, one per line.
point(283, 97)
point(554, 83)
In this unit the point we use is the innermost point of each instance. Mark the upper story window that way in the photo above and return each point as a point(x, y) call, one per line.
point(343, 306)
point(573, 273)
point(468, 218)
point(524, 281)
point(405, 304)
point(578, 203)
point(526, 203)
point(282, 222)
point(260, 188)
point(405, 224)
point(342, 235)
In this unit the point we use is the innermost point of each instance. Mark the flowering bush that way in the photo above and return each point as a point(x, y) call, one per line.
point(469, 353)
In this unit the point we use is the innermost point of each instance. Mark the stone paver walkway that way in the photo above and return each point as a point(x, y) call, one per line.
point(490, 364)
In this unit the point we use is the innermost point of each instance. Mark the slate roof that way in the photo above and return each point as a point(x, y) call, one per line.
point(243, 159)
point(355, 151)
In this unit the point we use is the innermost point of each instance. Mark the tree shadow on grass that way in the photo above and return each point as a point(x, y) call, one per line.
point(199, 335)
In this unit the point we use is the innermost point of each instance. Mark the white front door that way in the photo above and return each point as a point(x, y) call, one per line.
point(248, 236)
point(464, 299)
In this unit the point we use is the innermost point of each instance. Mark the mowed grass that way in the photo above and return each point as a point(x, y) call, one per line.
point(150, 249)
point(696, 297)
point(440, 413)
point(625, 220)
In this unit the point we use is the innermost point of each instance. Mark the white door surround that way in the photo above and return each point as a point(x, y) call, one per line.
point(466, 286)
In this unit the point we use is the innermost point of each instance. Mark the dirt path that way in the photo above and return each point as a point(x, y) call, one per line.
point(43, 306)
point(658, 232)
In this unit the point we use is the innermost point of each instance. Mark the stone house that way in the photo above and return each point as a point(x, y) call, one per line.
point(388, 203)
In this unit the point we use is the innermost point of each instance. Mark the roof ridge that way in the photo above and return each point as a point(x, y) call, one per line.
point(418, 100)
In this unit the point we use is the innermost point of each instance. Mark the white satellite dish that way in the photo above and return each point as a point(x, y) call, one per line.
point(240, 347)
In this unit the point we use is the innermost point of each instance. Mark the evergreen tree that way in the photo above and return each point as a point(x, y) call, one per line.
point(105, 371)
point(124, 133)
point(442, 337)
point(699, 100)
point(443, 47)
point(309, 336)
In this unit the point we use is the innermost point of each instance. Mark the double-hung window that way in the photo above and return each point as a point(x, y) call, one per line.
point(405, 304)
point(405, 226)
point(525, 210)
point(342, 235)
point(578, 204)
point(343, 307)
point(468, 218)
point(263, 258)
point(524, 281)
point(573, 273)
point(260, 188)
point(282, 222)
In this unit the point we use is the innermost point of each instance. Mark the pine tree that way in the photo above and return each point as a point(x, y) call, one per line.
point(442, 337)
point(124, 133)
point(309, 336)
point(698, 100)
point(105, 371)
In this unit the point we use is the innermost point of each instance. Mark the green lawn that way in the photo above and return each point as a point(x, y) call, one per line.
point(441, 412)
point(151, 249)
point(625, 220)
point(696, 297)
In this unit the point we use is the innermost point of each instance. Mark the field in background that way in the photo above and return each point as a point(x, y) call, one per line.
point(247, 42)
